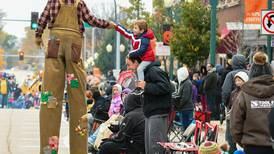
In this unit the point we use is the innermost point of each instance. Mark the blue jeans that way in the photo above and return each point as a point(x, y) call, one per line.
point(186, 117)
point(229, 139)
point(4, 100)
point(92, 137)
point(140, 70)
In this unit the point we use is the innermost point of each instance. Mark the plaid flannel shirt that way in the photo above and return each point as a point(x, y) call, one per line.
point(52, 8)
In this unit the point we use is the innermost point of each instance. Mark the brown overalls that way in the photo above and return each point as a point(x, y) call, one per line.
point(63, 56)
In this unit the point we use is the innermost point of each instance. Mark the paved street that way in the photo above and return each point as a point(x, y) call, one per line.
point(19, 132)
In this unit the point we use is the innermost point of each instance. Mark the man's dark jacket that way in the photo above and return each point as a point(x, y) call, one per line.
point(157, 91)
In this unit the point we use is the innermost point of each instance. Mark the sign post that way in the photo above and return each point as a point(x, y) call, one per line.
point(267, 22)
point(162, 50)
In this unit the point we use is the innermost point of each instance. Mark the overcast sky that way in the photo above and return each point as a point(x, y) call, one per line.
point(21, 9)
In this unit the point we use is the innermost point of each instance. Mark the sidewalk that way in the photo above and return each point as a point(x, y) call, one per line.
point(19, 132)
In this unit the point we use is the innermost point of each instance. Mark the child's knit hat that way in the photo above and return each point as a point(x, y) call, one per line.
point(209, 147)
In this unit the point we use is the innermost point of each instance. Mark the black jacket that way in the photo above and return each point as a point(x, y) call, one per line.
point(157, 91)
point(100, 108)
point(132, 128)
point(210, 84)
point(185, 93)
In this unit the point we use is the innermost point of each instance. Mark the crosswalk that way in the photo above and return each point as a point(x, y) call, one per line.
point(19, 132)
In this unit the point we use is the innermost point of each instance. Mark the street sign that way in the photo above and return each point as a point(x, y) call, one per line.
point(162, 50)
point(267, 22)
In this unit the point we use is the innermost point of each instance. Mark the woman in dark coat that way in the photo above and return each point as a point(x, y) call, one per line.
point(130, 137)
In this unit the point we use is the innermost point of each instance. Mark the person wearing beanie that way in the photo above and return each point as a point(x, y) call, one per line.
point(260, 65)
point(209, 147)
point(238, 63)
point(185, 106)
point(239, 79)
point(249, 115)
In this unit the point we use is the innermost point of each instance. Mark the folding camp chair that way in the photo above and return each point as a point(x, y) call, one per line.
point(175, 129)
point(187, 146)
point(203, 116)
point(210, 132)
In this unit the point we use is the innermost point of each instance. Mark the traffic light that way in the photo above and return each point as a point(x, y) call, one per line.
point(21, 55)
point(34, 20)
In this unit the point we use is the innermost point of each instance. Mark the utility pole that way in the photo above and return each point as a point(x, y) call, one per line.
point(269, 48)
point(213, 21)
point(117, 40)
point(93, 42)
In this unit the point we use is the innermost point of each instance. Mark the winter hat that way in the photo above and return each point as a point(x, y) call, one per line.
point(260, 65)
point(132, 102)
point(119, 87)
point(209, 147)
point(260, 58)
point(238, 61)
point(182, 74)
point(242, 75)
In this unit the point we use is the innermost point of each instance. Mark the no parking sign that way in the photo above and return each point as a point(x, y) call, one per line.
point(267, 22)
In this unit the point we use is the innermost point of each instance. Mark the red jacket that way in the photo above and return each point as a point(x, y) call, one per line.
point(143, 45)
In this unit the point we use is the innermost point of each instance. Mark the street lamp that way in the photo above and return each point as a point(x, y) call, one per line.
point(109, 48)
point(96, 55)
point(122, 48)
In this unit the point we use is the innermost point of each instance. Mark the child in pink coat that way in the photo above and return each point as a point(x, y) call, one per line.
point(116, 101)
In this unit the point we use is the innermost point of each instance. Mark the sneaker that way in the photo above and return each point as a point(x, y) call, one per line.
point(138, 91)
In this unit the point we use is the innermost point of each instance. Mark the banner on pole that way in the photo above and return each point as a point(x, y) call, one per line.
point(253, 11)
